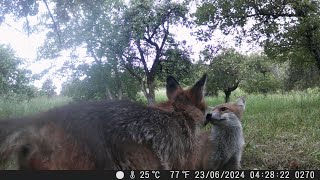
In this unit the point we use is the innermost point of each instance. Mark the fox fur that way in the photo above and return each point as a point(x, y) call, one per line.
point(222, 147)
point(110, 135)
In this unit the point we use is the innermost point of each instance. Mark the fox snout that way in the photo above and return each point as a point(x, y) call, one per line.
point(214, 115)
point(211, 117)
point(207, 120)
point(208, 116)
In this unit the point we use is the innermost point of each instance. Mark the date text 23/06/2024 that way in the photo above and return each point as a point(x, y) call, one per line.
point(239, 174)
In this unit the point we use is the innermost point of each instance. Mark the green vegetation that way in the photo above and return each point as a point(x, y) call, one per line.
point(282, 131)
point(13, 78)
point(225, 72)
point(288, 30)
point(131, 46)
point(14, 107)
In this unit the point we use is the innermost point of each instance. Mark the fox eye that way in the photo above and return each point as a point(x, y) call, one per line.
point(223, 109)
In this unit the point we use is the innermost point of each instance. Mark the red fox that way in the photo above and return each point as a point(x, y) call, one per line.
point(110, 135)
point(222, 147)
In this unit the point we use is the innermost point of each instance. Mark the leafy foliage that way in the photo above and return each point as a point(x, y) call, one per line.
point(300, 76)
point(282, 27)
point(148, 25)
point(130, 46)
point(224, 72)
point(100, 82)
point(13, 78)
point(48, 88)
point(260, 75)
point(19, 8)
point(133, 36)
point(177, 63)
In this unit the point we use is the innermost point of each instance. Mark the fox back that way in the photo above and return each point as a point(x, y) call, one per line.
point(110, 134)
point(222, 147)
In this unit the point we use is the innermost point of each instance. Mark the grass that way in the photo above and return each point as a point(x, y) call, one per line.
point(16, 108)
point(282, 131)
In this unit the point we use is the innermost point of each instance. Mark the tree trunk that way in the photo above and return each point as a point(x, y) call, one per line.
point(119, 93)
point(312, 44)
point(151, 93)
point(108, 94)
point(313, 47)
point(316, 52)
point(227, 95)
point(228, 91)
point(151, 100)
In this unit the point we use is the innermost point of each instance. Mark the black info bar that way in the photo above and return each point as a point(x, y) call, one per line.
point(163, 174)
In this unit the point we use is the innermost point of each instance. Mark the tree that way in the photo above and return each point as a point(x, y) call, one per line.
point(19, 8)
point(87, 83)
point(301, 75)
point(24, 9)
point(260, 75)
point(147, 26)
point(224, 71)
point(134, 36)
point(282, 27)
point(13, 78)
point(177, 64)
point(48, 88)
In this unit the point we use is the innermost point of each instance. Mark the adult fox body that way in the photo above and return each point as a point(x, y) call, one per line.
point(110, 135)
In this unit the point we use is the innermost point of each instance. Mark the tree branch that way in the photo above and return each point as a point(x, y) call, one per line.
point(129, 67)
point(28, 26)
point(142, 59)
point(54, 23)
point(162, 22)
point(96, 59)
point(264, 13)
point(165, 36)
point(235, 86)
point(130, 70)
point(152, 43)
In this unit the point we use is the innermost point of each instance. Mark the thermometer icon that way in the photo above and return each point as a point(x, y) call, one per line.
point(132, 176)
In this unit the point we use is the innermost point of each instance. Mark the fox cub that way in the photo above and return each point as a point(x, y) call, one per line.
point(222, 147)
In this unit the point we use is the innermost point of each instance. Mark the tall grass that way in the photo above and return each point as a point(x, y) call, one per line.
point(16, 108)
point(282, 131)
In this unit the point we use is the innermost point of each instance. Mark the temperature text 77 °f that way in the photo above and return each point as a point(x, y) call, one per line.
point(178, 174)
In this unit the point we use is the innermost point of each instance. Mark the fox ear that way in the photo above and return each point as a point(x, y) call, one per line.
point(198, 89)
point(241, 102)
point(172, 86)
